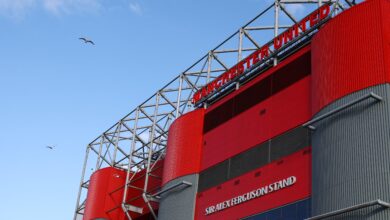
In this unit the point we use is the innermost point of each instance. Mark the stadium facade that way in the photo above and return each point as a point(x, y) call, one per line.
point(298, 129)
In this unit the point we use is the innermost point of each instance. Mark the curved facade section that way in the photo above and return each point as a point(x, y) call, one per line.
point(350, 152)
point(351, 52)
point(104, 198)
point(351, 156)
point(184, 146)
point(182, 164)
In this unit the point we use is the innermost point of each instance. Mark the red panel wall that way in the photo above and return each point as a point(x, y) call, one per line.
point(385, 6)
point(282, 111)
point(297, 164)
point(102, 201)
point(351, 52)
point(289, 108)
point(184, 146)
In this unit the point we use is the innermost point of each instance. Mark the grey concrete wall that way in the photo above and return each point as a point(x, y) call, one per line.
point(179, 204)
point(351, 157)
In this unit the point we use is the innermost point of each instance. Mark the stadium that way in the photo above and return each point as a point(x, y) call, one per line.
point(288, 118)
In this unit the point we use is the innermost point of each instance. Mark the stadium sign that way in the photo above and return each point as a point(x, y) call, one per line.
point(301, 28)
point(262, 191)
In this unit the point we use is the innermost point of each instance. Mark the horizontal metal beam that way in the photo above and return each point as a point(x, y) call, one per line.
point(170, 188)
point(233, 50)
point(304, 1)
point(350, 209)
point(205, 71)
point(266, 28)
point(372, 95)
point(132, 208)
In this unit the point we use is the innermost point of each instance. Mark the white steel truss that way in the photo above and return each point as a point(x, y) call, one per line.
point(138, 140)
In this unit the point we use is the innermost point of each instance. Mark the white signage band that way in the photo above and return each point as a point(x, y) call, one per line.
point(273, 187)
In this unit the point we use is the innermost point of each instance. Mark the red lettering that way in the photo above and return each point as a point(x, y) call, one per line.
point(196, 97)
point(215, 85)
point(264, 51)
point(233, 73)
point(240, 68)
point(302, 24)
point(295, 30)
point(224, 78)
point(314, 19)
point(278, 41)
point(288, 35)
point(219, 81)
point(248, 62)
point(324, 11)
point(255, 57)
point(204, 91)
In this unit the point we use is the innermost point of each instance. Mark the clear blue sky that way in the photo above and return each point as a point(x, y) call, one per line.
point(54, 90)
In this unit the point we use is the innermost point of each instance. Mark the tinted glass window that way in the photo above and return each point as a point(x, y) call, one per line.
point(253, 95)
point(296, 211)
point(289, 143)
point(218, 116)
point(249, 160)
point(213, 176)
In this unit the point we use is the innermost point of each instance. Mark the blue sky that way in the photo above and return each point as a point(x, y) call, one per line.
point(55, 90)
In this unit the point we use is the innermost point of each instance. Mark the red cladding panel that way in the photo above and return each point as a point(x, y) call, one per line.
point(236, 135)
point(184, 146)
point(103, 200)
point(297, 164)
point(351, 52)
point(286, 109)
point(290, 107)
point(385, 6)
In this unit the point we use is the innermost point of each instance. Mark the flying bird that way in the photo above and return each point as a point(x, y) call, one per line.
point(87, 40)
point(50, 147)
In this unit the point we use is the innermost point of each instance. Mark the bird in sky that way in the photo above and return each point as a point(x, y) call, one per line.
point(86, 40)
point(50, 147)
